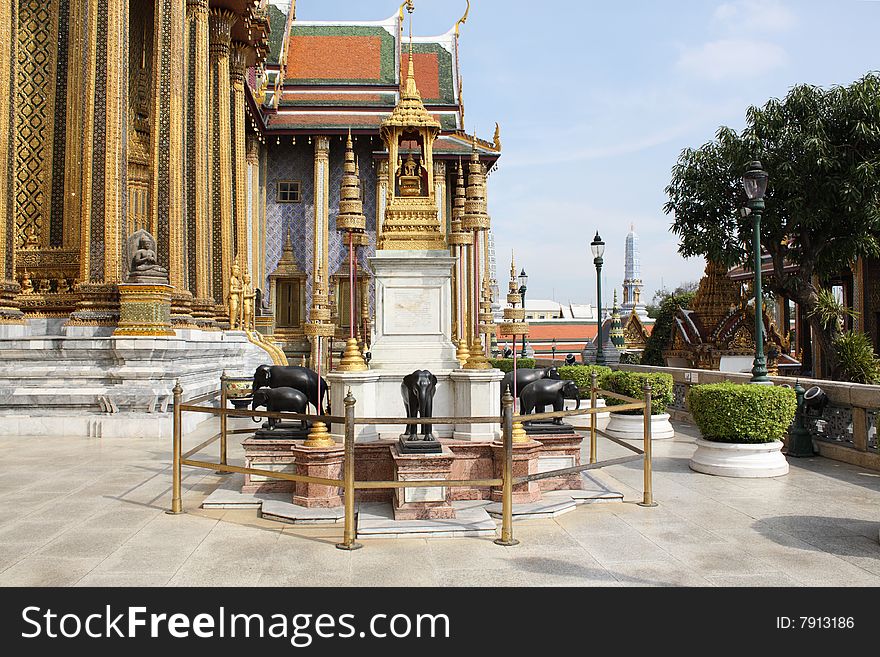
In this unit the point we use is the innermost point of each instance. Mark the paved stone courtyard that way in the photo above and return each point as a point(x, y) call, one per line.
point(90, 512)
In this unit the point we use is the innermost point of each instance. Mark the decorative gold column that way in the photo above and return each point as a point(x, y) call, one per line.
point(440, 193)
point(382, 193)
point(78, 93)
point(237, 70)
point(168, 131)
point(319, 329)
point(514, 325)
point(9, 311)
point(222, 228)
point(476, 220)
point(351, 223)
point(320, 248)
point(198, 127)
point(459, 239)
point(105, 157)
point(255, 221)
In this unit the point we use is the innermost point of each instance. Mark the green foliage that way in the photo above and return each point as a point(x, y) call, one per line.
point(821, 149)
point(506, 364)
point(630, 358)
point(742, 413)
point(830, 311)
point(581, 374)
point(856, 359)
point(631, 384)
point(661, 334)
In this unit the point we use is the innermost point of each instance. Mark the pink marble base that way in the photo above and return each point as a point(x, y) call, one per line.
point(426, 503)
point(472, 461)
point(268, 455)
point(525, 462)
point(561, 446)
point(372, 462)
point(318, 462)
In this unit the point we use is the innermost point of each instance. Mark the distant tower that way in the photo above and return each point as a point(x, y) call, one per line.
point(493, 278)
point(632, 281)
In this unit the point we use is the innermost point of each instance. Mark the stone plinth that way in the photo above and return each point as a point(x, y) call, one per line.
point(525, 462)
point(318, 462)
point(422, 503)
point(559, 451)
point(144, 309)
point(472, 461)
point(372, 462)
point(413, 311)
point(275, 455)
point(459, 393)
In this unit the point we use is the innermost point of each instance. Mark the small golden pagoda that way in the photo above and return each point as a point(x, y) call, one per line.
point(411, 219)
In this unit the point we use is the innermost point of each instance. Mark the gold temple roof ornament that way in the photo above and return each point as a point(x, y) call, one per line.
point(457, 235)
point(475, 216)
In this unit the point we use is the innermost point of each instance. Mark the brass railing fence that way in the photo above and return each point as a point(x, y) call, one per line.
point(350, 485)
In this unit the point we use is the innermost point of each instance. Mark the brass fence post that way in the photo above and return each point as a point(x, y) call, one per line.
point(649, 490)
point(223, 404)
point(507, 538)
point(176, 505)
point(594, 416)
point(349, 536)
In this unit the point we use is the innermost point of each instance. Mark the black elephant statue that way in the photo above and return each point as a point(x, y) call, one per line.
point(280, 400)
point(418, 391)
point(525, 376)
point(538, 394)
point(293, 376)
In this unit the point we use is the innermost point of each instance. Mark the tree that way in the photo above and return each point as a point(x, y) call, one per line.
point(821, 148)
point(661, 333)
point(653, 308)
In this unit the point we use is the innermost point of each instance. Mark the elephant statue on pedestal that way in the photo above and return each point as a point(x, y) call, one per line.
point(418, 391)
point(524, 376)
point(280, 400)
point(538, 394)
point(293, 376)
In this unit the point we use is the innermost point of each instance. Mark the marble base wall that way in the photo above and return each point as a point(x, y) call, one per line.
point(85, 382)
point(559, 452)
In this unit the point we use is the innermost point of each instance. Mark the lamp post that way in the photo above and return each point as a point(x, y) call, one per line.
point(755, 184)
point(523, 280)
point(598, 248)
point(553, 348)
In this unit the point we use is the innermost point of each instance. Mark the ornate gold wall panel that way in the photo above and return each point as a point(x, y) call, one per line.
point(37, 40)
point(79, 177)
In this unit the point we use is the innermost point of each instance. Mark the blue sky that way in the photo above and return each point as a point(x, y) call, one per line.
point(596, 100)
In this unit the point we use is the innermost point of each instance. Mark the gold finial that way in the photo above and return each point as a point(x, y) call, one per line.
point(464, 18)
point(497, 137)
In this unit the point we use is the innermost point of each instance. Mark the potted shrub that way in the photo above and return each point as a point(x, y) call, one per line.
point(629, 424)
point(742, 427)
point(582, 376)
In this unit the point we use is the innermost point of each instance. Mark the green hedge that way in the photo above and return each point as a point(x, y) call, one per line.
point(506, 364)
point(631, 384)
point(580, 374)
point(742, 413)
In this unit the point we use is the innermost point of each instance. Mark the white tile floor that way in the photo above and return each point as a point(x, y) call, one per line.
point(91, 512)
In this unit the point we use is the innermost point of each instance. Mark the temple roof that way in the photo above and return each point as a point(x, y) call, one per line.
point(359, 67)
point(277, 25)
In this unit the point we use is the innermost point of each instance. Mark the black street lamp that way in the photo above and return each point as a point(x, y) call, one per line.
point(755, 183)
point(553, 348)
point(598, 248)
point(523, 280)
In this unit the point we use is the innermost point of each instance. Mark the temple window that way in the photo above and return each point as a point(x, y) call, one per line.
point(289, 191)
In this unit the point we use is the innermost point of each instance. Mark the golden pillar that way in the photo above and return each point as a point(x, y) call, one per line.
point(476, 220)
point(79, 89)
point(237, 70)
point(440, 193)
point(104, 164)
point(198, 125)
point(168, 164)
point(459, 239)
point(321, 250)
point(382, 189)
point(9, 312)
point(222, 228)
point(256, 222)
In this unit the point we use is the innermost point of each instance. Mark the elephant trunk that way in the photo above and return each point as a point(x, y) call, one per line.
point(254, 407)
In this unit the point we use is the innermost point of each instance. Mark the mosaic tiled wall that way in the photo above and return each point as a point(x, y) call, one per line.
point(296, 162)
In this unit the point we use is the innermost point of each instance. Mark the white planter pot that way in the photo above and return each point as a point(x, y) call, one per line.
point(632, 427)
point(739, 459)
point(583, 421)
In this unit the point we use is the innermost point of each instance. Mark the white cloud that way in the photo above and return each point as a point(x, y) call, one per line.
point(752, 15)
point(732, 59)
